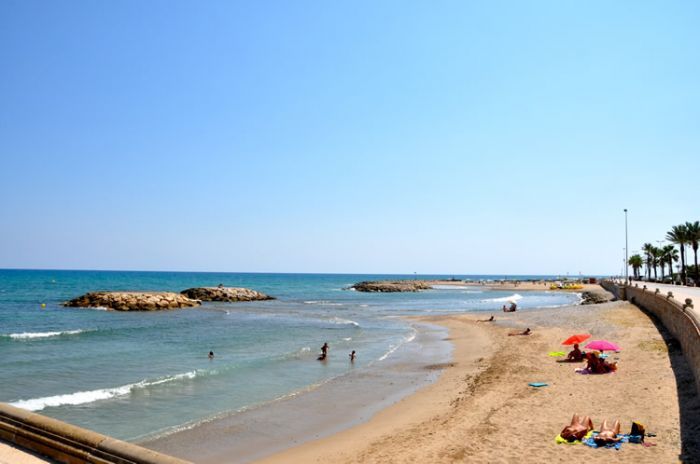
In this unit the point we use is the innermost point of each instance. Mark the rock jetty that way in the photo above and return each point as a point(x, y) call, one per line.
point(391, 286)
point(229, 294)
point(595, 297)
point(133, 301)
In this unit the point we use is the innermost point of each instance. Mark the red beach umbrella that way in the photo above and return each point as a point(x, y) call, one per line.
point(574, 339)
point(602, 345)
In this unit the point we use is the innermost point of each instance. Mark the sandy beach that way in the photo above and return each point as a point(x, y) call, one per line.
point(482, 409)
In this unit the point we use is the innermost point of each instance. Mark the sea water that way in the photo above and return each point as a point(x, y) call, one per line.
point(135, 375)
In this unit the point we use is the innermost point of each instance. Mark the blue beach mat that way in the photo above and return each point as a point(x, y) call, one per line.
point(590, 441)
point(538, 384)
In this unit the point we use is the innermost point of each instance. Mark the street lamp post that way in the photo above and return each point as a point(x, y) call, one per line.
point(626, 248)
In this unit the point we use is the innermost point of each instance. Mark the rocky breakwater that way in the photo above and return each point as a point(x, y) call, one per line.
point(133, 301)
point(596, 296)
point(392, 286)
point(228, 294)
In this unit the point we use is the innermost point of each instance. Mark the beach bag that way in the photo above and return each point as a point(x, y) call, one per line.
point(637, 433)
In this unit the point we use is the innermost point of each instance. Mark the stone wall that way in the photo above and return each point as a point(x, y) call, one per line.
point(69, 444)
point(680, 322)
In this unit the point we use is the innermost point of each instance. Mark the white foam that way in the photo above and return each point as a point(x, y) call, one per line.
point(84, 397)
point(393, 348)
point(513, 297)
point(33, 335)
point(341, 321)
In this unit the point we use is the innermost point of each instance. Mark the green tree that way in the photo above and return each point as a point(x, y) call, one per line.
point(661, 258)
point(670, 255)
point(636, 262)
point(693, 229)
point(679, 235)
point(648, 248)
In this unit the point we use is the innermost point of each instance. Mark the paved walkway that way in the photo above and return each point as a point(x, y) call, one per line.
point(10, 454)
point(680, 293)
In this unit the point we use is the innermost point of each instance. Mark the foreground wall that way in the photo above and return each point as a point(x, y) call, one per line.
point(679, 319)
point(70, 444)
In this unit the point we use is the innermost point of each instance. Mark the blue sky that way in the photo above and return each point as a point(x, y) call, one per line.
point(435, 137)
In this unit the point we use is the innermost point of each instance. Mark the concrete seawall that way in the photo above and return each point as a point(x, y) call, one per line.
point(69, 444)
point(680, 320)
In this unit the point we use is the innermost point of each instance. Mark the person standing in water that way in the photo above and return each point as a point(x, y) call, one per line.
point(324, 349)
point(352, 356)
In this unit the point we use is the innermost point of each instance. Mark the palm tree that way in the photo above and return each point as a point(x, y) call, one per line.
point(647, 248)
point(655, 254)
point(679, 236)
point(693, 229)
point(662, 261)
point(636, 262)
point(670, 255)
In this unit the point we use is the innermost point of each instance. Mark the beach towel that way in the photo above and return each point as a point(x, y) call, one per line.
point(538, 384)
point(555, 354)
point(590, 441)
point(559, 440)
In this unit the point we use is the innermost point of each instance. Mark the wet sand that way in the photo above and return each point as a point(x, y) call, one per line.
point(319, 412)
point(482, 409)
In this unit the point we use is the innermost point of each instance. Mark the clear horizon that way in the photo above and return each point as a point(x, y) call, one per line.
point(366, 138)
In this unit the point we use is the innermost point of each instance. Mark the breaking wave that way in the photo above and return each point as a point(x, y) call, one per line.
point(505, 299)
point(35, 335)
point(341, 321)
point(84, 397)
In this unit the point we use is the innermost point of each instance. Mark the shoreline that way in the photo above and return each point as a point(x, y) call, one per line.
point(329, 408)
point(478, 399)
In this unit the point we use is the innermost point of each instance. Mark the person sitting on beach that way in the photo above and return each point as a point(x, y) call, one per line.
point(513, 307)
point(524, 332)
point(608, 434)
point(579, 428)
point(575, 355)
point(352, 356)
point(597, 365)
point(490, 319)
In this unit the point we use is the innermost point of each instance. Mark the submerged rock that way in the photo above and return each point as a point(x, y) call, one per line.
point(392, 286)
point(229, 294)
point(133, 301)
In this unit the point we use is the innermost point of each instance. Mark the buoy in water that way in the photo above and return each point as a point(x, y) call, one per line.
point(43, 305)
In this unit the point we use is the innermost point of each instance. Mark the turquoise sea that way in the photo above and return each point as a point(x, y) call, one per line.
point(138, 375)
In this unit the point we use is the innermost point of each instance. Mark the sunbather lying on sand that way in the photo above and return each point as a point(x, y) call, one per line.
point(608, 433)
point(524, 332)
point(490, 319)
point(579, 428)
